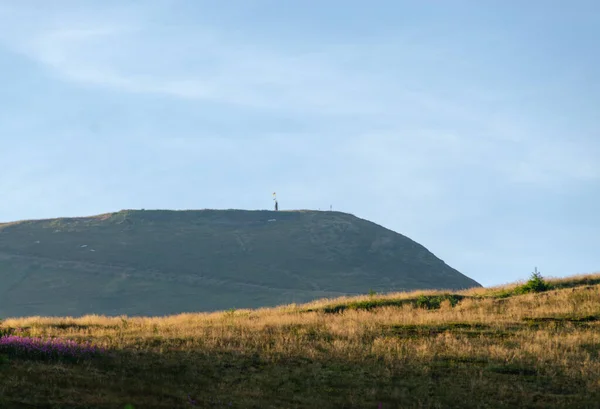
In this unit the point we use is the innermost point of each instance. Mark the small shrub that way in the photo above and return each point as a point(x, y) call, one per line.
point(434, 302)
point(536, 284)
point(428, 302)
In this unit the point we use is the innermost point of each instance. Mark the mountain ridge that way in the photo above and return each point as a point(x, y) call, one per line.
point(150, 262)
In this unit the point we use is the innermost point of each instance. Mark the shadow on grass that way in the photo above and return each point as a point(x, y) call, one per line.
point(213, 379)
point(470, 330)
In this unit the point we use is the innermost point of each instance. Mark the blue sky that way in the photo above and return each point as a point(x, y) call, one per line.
point(470, 126)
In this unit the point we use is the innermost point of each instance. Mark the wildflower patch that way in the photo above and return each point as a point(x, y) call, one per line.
point(47, 349)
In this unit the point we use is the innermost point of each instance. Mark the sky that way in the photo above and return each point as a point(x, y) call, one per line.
point(471, 127)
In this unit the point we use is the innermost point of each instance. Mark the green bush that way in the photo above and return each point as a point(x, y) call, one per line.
point(432, 302)
point(536, 284)
point(428, 302)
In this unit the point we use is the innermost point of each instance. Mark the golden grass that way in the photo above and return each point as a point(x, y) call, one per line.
point(533, 350)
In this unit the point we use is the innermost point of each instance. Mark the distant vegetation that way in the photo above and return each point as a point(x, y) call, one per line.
point(533, 344)
point(536, 284)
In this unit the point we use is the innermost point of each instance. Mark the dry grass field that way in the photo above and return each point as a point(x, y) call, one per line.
point(481, 348)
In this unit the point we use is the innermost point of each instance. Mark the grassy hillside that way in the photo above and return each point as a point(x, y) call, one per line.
point(499, 347)
point(166, 262)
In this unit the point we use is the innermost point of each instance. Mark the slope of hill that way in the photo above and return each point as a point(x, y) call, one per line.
point(480, 348)
point(165, 262)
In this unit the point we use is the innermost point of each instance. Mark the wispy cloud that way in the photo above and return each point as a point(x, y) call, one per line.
point(130, 54)
point(125, 58)
point(119, 48)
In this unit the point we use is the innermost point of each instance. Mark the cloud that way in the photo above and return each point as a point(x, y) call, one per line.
point(122, 50)
point(122, 58)
point(383, 124)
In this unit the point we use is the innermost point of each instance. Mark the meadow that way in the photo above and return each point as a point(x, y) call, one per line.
point(521, 345)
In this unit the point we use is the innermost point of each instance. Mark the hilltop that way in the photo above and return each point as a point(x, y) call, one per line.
point(479, 348)
point(164, 262)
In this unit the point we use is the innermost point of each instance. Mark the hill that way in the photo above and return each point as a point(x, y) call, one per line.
point(165, 262)
point(480, 348)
